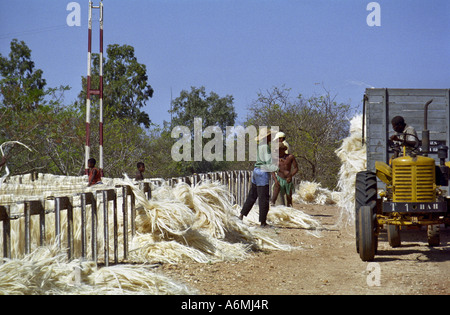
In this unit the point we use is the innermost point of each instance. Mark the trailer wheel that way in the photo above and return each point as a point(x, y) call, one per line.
point(433, 235)
point(393, 232)
point(365, 195)
point(367, 233)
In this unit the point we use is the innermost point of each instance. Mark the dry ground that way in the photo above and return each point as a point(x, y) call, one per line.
point(326, 265)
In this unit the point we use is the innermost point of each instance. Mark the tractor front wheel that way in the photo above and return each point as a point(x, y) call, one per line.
point(365, 195)
point(393, 232)
point(433, 235)
point(367, 233)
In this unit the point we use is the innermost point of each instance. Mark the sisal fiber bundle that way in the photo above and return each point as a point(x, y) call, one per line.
point(282, 216)
point(212, 233)
point(46, 272)
point(313, 193)
point(352, 154)
point(179, 224)
point(135, 280)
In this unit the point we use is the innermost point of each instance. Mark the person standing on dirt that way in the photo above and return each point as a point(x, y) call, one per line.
point(288, 167)
point(260, 178)
point(405, 134)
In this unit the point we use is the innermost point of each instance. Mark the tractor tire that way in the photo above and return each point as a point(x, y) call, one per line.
point(365, 195)
point(393, 232)
point(367, 233)
point(433, 235)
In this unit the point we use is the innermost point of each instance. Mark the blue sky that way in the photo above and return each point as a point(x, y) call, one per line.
point(241, 47)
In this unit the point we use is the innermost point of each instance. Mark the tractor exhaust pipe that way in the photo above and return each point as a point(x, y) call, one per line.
point(426, 132)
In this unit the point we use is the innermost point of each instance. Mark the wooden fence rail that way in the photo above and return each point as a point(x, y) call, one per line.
point(237, 182)
point(66, 204)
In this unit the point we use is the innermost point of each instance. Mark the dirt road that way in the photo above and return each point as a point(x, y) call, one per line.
point(327, 265)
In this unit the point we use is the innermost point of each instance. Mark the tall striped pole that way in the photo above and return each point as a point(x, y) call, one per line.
point(90, 91)
point(101, 92)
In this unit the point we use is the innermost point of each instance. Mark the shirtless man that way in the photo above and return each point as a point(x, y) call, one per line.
point(283, 180)
point(140, 172)
point(95, 176)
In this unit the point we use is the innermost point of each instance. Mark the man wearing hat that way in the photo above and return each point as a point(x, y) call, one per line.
point(261, 177)
point(281, 137)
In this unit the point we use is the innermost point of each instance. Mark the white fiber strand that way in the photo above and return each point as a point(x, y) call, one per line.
point(352, 154)
point(4, 144)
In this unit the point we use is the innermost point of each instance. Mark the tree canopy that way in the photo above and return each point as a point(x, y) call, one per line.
point(213, 109)
point(22, 86)
point(32, 113)
point(125, 81)
point(36, 115)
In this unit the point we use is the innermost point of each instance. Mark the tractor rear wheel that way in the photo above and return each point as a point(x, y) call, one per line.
point(365, 195)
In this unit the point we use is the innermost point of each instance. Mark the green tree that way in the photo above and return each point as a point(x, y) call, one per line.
point(213, 110)
point(33, 114)
point(126, 89)
point(157, 157)
point(21, 86)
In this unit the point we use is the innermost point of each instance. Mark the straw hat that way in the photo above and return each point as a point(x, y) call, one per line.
point(264, 132)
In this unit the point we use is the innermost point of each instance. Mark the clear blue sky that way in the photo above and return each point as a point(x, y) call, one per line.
point(241, 47)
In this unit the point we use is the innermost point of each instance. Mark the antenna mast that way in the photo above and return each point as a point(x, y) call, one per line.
point(90, 91)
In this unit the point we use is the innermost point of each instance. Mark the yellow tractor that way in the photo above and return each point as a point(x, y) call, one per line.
point(413, 194)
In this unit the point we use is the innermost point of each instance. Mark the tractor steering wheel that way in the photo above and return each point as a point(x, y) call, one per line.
point(397, 147)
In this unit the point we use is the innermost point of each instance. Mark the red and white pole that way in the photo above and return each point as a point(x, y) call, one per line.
point(90, 91)
point(101, 92)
